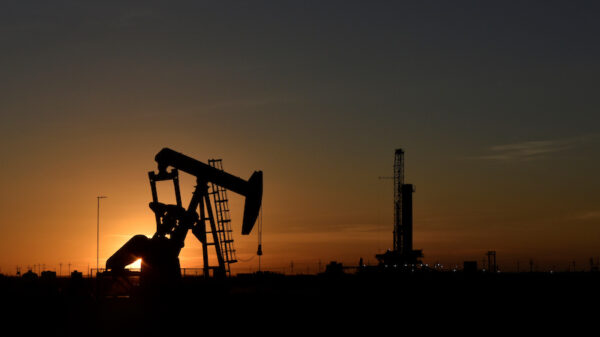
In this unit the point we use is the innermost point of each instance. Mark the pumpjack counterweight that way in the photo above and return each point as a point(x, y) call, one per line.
point(160, 254)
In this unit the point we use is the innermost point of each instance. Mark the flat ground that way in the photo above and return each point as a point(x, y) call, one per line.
point(441, 301)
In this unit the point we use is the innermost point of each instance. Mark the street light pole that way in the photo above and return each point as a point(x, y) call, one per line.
point(98, 234)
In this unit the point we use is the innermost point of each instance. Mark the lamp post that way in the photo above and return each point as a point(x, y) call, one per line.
point(98, 234)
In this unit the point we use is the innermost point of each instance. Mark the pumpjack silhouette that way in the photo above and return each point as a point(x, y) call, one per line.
point(160, 253)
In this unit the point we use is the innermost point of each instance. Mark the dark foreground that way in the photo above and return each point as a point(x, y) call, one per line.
point(250, 304)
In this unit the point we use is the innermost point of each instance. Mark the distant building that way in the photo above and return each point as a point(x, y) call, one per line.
point(29, 275)
point(334, 267)
point(48, 275)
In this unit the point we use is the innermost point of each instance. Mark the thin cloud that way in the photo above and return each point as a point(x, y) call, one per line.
point(531, 150)
point(244, 103)
point(592, 215)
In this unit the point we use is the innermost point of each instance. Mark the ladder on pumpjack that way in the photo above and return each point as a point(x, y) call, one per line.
point(223, 219)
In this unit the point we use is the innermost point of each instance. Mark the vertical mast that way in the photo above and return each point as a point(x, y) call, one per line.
point(403, 254)
point(398, 182)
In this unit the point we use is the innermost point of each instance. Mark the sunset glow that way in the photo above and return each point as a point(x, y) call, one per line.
point(496, 109)
point(136, 265)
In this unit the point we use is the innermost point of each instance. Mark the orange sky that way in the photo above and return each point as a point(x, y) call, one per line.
point(495, 107)
point(312, 212)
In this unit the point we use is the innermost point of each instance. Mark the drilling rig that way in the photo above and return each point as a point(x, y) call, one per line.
point(403, 254)
point(160, 253)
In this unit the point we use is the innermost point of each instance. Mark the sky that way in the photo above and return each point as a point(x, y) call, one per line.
point(495, 104)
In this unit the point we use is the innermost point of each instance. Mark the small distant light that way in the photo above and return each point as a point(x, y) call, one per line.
point(395, 266)
point(483, 269)
point(406, 265)
point(426, 265)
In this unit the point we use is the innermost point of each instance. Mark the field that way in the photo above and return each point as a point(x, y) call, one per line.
point(343, 302)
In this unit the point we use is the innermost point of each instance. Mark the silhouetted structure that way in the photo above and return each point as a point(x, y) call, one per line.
point(160, 254)
point(403, 253)
point(593, 266)
point(492, 267)
point(30, 275)
point(334, 268)
point(48, 275)
point(221, 202)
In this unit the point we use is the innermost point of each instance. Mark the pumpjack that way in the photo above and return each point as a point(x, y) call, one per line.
point(160, 253)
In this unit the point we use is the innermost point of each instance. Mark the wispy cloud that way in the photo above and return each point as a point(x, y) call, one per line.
point(531, 150)
point(591, 215)
point(244, 103)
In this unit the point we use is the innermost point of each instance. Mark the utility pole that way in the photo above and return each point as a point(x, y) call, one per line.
point(491, 255)
point(98, 234)
point(531, 265)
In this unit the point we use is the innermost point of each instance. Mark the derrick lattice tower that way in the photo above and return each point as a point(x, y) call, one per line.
point(402, 253)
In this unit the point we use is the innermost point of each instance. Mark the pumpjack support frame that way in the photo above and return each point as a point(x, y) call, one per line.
point(160, 254)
